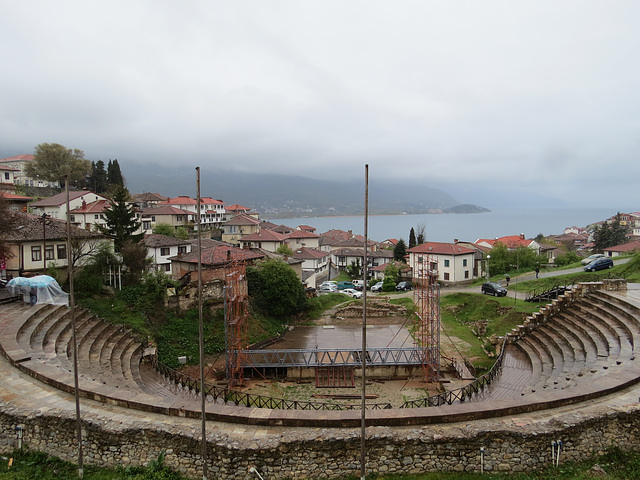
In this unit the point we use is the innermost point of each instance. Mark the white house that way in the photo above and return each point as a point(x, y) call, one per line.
point(454, 262)
point(265, 239)
point(56, 206)
point(161, 247)
point(19, 162)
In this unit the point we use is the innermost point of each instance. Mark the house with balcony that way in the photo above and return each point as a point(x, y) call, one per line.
point(454, 262)
point(19, 163)
point(314, 263)
point(173, 216)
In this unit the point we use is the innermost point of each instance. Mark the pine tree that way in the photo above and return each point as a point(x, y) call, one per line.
point(412, 238)
point(610, 234)
point(400, 251)
point(121, 219)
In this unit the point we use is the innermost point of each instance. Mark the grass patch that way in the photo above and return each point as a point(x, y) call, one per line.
point(474, 318)
point(318, 305)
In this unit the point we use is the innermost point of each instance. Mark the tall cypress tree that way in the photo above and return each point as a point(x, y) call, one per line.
point(412, 238)
point(98, 180)
point(114, 175)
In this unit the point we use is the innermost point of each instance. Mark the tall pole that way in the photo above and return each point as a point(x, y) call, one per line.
point(44, 239)
point(363, 414)
point(203, 395)
point(74, 340)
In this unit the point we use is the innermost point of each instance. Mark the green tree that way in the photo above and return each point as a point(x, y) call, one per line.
point(284, 249)
point(134, 258)
point(120, 218)
point(500, 259)
point(164, 229)
point(182, 233)
point(53, 161)
point(275, 289)
point(114, 175)
point(354, 270)
point(399, 251)
point(412, 238)
point(391, 277)
point(610, 234)
point(98, 179)
point(8, 224)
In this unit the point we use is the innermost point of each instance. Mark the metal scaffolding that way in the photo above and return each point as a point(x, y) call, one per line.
point(236, 321)
point(426, 296)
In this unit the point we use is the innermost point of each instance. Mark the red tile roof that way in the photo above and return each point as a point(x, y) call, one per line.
point(305, 253)
point(7, 167)
point(93, 207)
point(264, 236)
point(625, 247)
point(302, 234)
point(165, 210)
point(181, 200)
point(440, 248)
point(220, 255)
point(17, 158)
point(14, 197)
point(243, 220)
point(210, 201)
point(61, 198)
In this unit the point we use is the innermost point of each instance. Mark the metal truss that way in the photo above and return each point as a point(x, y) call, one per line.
point(344, 357)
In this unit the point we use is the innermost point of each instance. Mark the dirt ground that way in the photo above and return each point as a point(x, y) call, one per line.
point(394, 392)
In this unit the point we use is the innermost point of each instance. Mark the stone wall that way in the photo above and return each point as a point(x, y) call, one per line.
point(330, 453)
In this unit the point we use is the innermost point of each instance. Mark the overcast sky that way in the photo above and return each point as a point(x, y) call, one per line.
point(479, 97)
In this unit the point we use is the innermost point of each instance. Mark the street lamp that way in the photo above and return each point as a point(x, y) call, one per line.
point(488, 258)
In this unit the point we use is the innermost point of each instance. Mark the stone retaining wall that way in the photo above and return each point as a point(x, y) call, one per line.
point(331, 453)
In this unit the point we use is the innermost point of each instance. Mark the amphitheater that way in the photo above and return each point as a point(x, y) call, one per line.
point(564, 388)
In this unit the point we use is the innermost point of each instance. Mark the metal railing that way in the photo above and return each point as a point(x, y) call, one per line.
point(463, 393)
point(214, 393)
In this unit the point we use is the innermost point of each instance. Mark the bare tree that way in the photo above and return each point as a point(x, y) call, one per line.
point(421, 233)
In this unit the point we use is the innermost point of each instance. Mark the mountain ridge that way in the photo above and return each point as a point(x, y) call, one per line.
point(282, 195)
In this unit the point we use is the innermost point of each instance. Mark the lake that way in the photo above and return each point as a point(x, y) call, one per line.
point(464, 227)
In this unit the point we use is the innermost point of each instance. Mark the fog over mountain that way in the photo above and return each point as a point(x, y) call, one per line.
point(278, 195)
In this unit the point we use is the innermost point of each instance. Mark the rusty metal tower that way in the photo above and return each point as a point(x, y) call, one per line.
point(426, 296)
point(236, 320)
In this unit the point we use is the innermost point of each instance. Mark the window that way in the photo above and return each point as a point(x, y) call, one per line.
point(164, 251)
point(6, 175)
point(178, 218)
point(36, 254)
point(146, 225)
point(73, 218)
point(182, 249)
point(153, 218)
point(49, 253)
point(464, 262)
point(96, 217)
point(62, 251)
point(166, 267)
point(446, 276)
point(466, 274)
point(446, 263)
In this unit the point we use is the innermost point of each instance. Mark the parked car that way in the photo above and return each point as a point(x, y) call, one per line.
point(495, 289)
point(404, 286)
point(351, 292)
point(327, 289)
point(599, 264)
point(343, 285)
point(358, 284)
point(591, 258)
point(377, 287)
point(329, 282)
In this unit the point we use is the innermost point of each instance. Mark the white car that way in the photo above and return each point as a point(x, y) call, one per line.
point(591, 258)
point(352, 293)
point(327, 288)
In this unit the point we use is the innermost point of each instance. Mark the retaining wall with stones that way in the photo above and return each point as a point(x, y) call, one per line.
point(517, 445)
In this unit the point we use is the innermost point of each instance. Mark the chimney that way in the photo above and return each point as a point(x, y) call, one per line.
point(522, 236)
point(455, 240)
